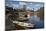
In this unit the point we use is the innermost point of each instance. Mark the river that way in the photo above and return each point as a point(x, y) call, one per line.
point(36, 20)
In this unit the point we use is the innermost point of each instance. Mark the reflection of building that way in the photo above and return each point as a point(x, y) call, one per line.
point(24, 7)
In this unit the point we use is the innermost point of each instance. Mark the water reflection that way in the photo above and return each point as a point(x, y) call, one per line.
point(36, 20)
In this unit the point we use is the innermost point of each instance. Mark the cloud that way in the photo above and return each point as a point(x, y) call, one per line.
point(7, 4)
point(11, 4)
point(29, 0)
point(31, 3)
point(14, 5)
point(37, 5)
point(19, 0)
point(29, 8)
point(22, 3)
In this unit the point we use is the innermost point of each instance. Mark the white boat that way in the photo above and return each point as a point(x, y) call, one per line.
point(24, 24)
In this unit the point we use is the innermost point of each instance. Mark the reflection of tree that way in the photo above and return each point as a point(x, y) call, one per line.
point(41, 13)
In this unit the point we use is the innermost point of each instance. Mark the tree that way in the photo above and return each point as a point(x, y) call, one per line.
point(41, 13)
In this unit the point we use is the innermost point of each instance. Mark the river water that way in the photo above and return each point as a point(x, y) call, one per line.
point(36, 20)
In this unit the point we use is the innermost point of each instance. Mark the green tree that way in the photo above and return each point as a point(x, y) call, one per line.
point(41, 13)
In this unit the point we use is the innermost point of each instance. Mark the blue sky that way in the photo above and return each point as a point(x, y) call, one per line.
point(19, 4)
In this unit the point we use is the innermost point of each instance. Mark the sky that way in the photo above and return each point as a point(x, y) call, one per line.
point(27, 0)
point(19, 4)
